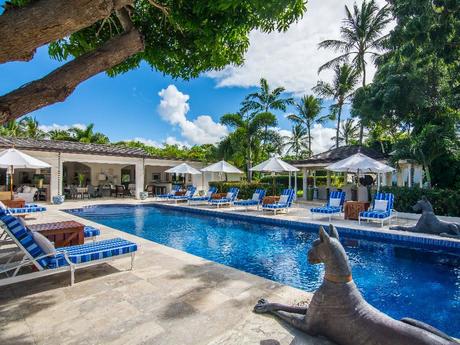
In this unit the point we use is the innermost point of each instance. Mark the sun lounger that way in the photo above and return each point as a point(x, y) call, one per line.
point(334, 205)
point(39, 252)
point(284, 203)
point(204, 198)
point(188, 194)
point(174, 189)
point(381, 209)
point(90, 232)
point(231, 196)
point(20, 211)
point(256, 199)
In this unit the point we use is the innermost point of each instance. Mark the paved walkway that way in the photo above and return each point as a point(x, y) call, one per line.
point(170, 297)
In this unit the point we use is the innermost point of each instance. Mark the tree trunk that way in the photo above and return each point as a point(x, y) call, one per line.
point(59, 84)
point(249, 163)
point(309, 142)
point(22, 30)
point(337, 132)
point(361, 126)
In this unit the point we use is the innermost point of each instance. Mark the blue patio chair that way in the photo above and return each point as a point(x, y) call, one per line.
point(256, 199)
point(204, 198)
point(284, 203)
point(188, 194)
point(175, 188)
point(334, 205)
point(380, 210)
point(228, 200)
point(21, 211)
point(48, 260)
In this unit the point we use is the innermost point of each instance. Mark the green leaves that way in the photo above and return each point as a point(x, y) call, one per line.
point(194, 37)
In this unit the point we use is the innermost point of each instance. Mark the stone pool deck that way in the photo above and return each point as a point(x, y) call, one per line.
point(170, 297)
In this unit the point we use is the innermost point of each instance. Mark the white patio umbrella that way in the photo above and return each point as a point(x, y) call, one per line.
point(275, 165)
point(222, 167)
point(360, 163)
point(15, 159)
point(183, 168)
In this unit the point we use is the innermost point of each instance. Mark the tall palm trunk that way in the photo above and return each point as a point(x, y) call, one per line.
point(338, 125)
point(309, 141)
point(361, 126)
point(249, 163)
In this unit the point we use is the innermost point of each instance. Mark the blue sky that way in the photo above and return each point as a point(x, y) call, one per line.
point(128, 106)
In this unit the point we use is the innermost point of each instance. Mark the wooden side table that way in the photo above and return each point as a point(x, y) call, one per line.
point(270, 200)
point(353, 208)
point(218, 195)
point(63, 234)
point(15, 203)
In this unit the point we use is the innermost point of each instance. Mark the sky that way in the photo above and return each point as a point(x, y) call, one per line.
point(147, 106)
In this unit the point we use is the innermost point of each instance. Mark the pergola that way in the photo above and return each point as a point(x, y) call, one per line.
point(320, 161)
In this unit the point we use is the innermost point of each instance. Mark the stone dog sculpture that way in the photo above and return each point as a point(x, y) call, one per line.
point(339, 312)
point(429, 223)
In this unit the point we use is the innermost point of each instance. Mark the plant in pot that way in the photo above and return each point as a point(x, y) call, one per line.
point(81, 179)
point(38, 180)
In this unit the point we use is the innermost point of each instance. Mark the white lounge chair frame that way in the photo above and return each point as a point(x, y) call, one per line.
point(43, 272)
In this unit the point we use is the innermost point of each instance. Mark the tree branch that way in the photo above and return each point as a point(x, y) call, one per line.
point(59, 84)
point(23, 30)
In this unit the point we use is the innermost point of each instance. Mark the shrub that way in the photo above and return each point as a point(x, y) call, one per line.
point(446, 202)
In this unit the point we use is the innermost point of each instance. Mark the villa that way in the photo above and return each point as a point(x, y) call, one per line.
point(105, 166)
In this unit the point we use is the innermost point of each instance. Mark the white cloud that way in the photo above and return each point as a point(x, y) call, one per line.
point(174, 141)
point(321, 137)
point(174, 107)
point(291, 59)
point(55, 126)
point(146, 141)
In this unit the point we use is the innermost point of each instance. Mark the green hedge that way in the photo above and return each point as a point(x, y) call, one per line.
point(246, 188)
point(336, 181)
point(445, 202)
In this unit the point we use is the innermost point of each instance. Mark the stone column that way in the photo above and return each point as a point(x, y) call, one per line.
point(140, 176)
point(304, 183)
point(56, 176)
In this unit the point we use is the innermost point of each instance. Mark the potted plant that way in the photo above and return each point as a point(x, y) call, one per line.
point(81, 179)
point(38, 179)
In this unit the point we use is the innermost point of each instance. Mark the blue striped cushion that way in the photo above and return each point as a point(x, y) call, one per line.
point(326, 210)
point(24, 237)
point(275, 206)
point(375, 214)
point(199, 198)
point(93, 251)
point(31, 209)
point(220, 201)
point(89, 231)
point(246, 202)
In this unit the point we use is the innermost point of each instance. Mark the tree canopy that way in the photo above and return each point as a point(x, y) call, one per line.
point(178, 38)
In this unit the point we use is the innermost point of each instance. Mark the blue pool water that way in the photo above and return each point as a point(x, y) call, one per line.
point(399, 281)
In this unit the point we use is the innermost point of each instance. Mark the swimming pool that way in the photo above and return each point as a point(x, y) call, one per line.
point(400, 281)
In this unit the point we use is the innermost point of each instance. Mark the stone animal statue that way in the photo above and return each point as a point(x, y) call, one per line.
point(338, 311)
point(429, 223)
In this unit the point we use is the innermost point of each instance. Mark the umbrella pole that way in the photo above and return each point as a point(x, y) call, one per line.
point(11, 182)
point(274, 189)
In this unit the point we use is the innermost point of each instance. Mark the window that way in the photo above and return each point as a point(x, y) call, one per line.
point(155, 177)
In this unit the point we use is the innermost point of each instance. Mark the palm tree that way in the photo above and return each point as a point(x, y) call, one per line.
point(361, 36)
point(60, 134)
point(30, 128)
point(87, 135)
point(248, 129)
point(296, 142)
point(341, 89)
point(349, 132)
point(11, 129)
point(264, 101)
point(308, 110)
